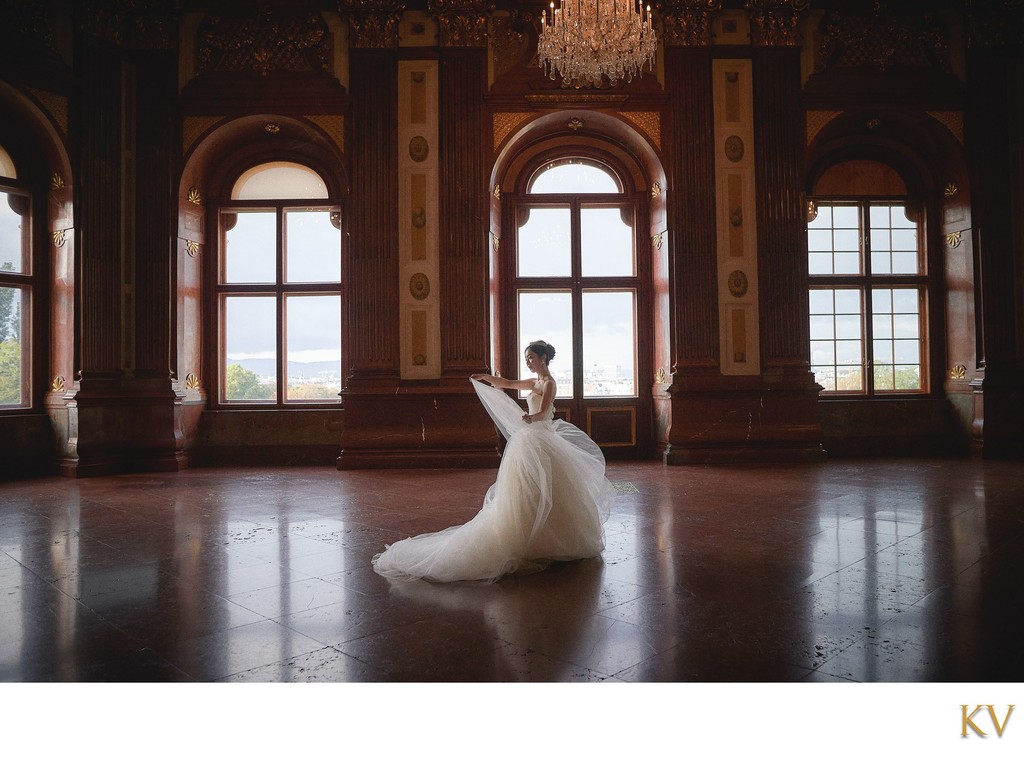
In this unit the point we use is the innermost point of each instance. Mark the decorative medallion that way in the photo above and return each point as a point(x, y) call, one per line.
point(419, 360)
point(734, 148)
point(959, 372)
point(575, 124)
point(419, 286)
point(193, 196)
point(660, 376)
point(419, 217)
point(419, 149)
point(191, 381)
point(192, 247)
point(59, 237)
point(736, 217)
point(953, 239)
point(57, 384)
point(655, 189)
point(738, 283)
point(57, 181)
point(951, 189)
point(873, 123)
point(271, 128)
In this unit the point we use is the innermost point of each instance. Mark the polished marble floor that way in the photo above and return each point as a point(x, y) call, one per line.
point(872, 571)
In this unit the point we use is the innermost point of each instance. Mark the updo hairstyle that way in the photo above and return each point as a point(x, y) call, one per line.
point(542, 348)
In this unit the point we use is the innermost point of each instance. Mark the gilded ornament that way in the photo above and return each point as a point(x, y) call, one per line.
point(419, 286)
point(272, 128)
point(419, 217)
point(951, 189)
point(57, 181)
point(59, 237)
point(736, 217)
point(497, 192)
point(191, 381)
point(657, 240)
point(660, 376)
point(419, 360)
point(495, 241)
point(419, 149)
point(575, 124)
point(959, 372)
point(738, 283)
point(193, 196)
point(58, 384)
point(953, 239)
point(192, 247)
point(655, 189)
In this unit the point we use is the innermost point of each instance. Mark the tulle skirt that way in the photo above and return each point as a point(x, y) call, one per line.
point(549, 502)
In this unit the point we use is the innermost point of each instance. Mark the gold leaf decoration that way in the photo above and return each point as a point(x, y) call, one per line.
point(657, 240)
point(192, 247)
point(575, 124)
point(191, 381)
point(655, 189)
point(951, 189)
point(59, 237)
point(660, 376)
point(57, 384)
point(959, 372)
point(953, 239)
point(57, 181)
point(272, 128)
point(193, 196)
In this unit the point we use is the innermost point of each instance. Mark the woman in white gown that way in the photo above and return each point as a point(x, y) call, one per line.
point(549, 502)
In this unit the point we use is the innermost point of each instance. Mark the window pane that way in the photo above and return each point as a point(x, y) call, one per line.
point(609, 343)
point(898, 345)
point(250, 243)
point(547, 315)
point(607, 242)
point(847, 263)
point(822, 218)
point(14, 246)
point(819, 240)
point(545, 245)
point(313, 347)
point(13, 347)
point(279, 179)
point(837, 356)
point(833, 241)
point(845, 217)
point(575, 177)
point(312, 247)
point(250, 347)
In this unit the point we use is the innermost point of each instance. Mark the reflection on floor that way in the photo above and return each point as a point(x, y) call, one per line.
point(857, 571)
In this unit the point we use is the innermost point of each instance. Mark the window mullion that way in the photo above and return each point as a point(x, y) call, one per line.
point(282, 360)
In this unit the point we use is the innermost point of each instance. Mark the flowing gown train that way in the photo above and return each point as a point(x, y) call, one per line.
point(549, 502)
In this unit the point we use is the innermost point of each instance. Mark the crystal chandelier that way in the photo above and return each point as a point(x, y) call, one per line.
point(585, 41)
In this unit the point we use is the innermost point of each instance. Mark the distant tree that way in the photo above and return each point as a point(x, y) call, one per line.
point(10, 318)
point(243, 384)
point(10, 372)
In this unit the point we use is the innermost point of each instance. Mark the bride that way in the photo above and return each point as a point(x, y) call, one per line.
point(549, 502)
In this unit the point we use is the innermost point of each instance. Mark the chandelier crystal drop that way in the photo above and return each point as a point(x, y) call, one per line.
point(586, 41)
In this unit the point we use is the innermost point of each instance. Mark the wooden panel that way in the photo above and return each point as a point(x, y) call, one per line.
point(612, 426)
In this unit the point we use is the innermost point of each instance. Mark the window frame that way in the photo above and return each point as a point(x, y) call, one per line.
point(279, 289)
point(866, 282)
point(30, 283)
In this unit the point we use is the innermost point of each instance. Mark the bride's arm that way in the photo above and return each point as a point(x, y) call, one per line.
point(501, 382)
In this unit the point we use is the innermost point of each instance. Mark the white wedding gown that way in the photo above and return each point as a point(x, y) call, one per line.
point(549, 502)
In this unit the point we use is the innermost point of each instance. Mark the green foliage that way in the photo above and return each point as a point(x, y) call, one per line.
point(10, 372)
point(242, 384)
point(10, 317)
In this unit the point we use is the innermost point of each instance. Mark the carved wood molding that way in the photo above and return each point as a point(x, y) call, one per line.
point(776, 23)
point(372, 23)
point(688, 22)
point(463, 23)
point(269, 40)
point(881, 39)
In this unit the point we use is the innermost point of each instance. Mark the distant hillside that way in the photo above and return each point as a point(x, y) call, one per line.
point(268, 368)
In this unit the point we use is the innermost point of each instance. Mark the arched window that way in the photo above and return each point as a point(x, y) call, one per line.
point(17, 288)
point(279, 289)
point(576, 277)
point(869, 283)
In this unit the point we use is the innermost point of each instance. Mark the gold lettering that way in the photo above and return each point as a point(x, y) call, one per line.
point(967, 721)
point(995, 721)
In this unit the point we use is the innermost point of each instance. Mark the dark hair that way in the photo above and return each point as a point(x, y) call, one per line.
point(541, 348)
